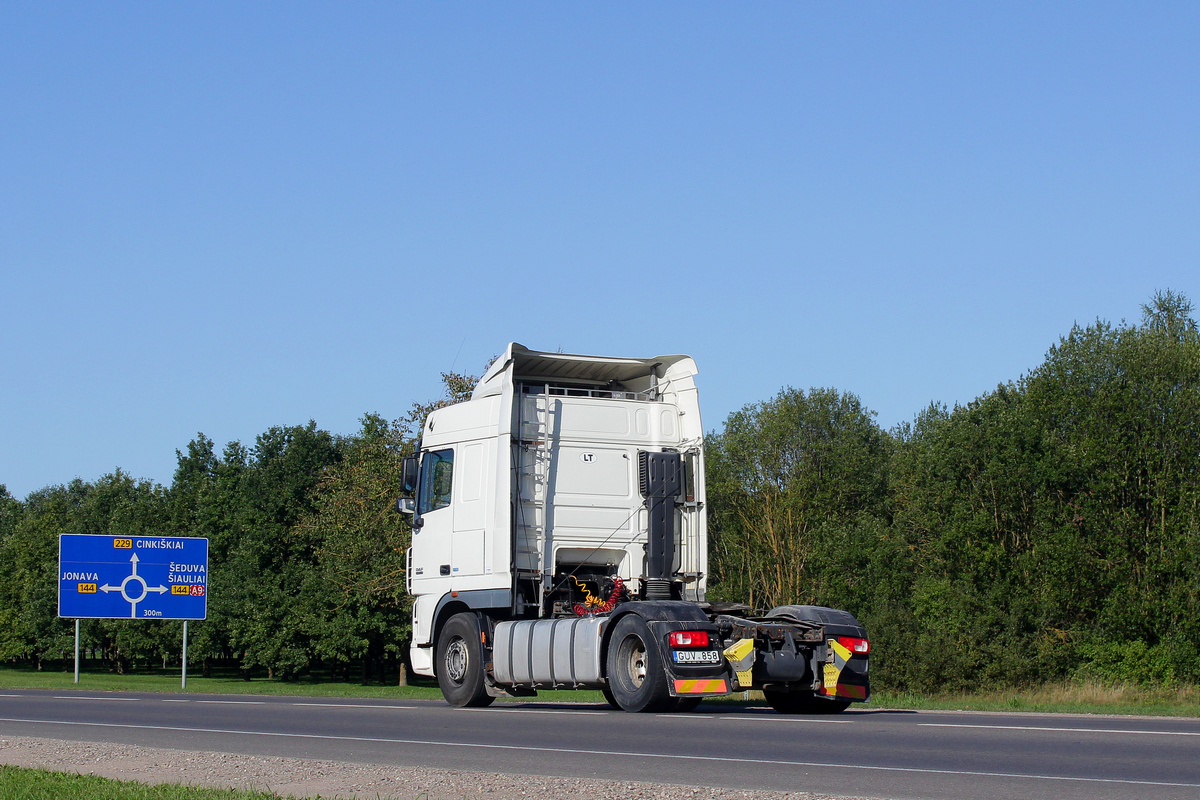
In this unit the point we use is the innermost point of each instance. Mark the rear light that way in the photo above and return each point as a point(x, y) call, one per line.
point(688, 638)
point(855, 645)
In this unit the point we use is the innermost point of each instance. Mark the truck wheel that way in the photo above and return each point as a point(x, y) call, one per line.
point(459, 665)
point(803, 703)
point(609, 698)
point(635, 672)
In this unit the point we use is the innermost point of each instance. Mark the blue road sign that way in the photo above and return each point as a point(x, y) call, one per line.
point(132, 577)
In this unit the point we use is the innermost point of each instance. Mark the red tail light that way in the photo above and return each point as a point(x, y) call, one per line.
point(688, 638)
point(855, 645)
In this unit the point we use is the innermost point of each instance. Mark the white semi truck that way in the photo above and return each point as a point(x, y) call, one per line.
point(560, 542)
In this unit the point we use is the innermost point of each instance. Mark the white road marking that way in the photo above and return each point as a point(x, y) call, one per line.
point(169, 700)
point(782, 718)
point(608, 754)
point(117, 699)
point(350, 705)
point(236, 702)
point(495, 710)
point(684, 716)
point(1057, 730)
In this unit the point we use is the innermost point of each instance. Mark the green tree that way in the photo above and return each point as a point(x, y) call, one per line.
point(790, 481)
point(355, 603)
point(116, 504)
point(265, 566)
point(456, 388)
point(1121, 408)
point(11, 513)
point(1054, 520)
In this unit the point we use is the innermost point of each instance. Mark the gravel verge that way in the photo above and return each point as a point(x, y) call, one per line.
point(329, 779)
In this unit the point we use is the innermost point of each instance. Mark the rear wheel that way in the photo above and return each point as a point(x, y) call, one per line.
point(803, 703)
point(460, 663)
point(636, 678)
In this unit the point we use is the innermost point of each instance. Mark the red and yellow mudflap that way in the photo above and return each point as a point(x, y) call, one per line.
point(702, 686)
point(832, 683)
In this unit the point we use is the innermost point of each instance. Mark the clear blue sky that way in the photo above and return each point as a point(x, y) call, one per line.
point(221, 217)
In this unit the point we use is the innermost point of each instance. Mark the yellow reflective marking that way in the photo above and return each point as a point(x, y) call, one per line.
point(832, 674)
point(740, 650)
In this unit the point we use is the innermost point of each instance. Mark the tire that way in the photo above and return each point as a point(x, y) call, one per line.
point(803, 703)
point(459, 663)
point(608, 696)
point(636, 677)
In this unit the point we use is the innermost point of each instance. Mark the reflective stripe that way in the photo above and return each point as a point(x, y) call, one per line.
point(851, 691)
point(717, 686)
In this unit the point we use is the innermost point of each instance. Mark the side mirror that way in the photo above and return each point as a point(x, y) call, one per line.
point(409, 473)
point(406, 505)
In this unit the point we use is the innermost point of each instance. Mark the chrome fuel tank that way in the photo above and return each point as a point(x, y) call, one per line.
point(548, 653)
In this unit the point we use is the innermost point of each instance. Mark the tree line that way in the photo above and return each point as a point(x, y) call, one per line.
point(1049, 529)
point(306, 553)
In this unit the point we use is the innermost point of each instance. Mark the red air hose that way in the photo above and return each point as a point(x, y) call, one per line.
point(618, 585)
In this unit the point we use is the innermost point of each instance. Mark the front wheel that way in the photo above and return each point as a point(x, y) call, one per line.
point(636, 678)
point(803, 703)
point(460, 663)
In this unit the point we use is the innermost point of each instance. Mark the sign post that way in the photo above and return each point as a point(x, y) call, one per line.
point(183, 661)
point(132, 577)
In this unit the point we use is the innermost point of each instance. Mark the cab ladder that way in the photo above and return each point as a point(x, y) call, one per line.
point(533, 452)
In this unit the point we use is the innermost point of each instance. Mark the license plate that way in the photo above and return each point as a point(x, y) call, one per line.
point(696, 656)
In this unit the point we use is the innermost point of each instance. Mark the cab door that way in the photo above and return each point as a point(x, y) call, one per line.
point(469, 548)
point(433, 525)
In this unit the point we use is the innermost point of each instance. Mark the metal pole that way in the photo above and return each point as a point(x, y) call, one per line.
point(183, 685)
point(77, 649)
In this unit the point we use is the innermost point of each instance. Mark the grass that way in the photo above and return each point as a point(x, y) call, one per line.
point(168, 680)
point(1071, 697)
point(20, 783)
point(1066, 697)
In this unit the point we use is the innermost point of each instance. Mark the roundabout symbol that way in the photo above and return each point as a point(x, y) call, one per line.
point(134, 588)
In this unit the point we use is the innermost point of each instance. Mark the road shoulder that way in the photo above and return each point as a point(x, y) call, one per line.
point(307, 778)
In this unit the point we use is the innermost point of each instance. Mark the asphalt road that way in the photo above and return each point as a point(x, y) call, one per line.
point(892, 754)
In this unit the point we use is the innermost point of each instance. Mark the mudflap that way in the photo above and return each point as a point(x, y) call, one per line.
point(694, 680)
point(844, 674)
point(686, 679)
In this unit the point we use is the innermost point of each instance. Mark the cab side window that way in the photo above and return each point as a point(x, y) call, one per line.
point(437, 478)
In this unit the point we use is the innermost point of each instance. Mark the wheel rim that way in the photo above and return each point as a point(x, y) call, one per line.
point(635, 660)
point(456, 660)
